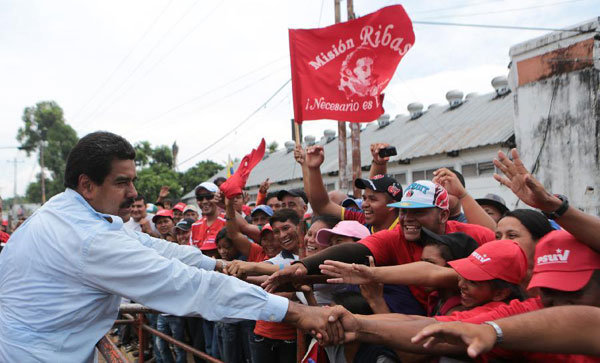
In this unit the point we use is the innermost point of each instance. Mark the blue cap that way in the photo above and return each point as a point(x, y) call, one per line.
point(351, 202)
point(264, 208)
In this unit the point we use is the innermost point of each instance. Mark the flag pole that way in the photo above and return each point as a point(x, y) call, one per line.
point(355, 130)
point(342, 150)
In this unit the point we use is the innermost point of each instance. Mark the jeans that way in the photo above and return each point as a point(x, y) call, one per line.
point(173, 326)
point(233, 343)
point(196, 335)
point(152, 321)
point(265, 350)
point(210, 338)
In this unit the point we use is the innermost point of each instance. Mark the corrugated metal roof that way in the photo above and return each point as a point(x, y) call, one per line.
point(479, 121)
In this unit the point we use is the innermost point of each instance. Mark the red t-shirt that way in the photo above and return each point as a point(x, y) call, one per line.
point(390, 248)
point(257, 254)
point(203, 233)
point(514, 307)
point(4, 237)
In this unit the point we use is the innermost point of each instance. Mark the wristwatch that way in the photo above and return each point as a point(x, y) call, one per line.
point(561, 210)
point(499, 333)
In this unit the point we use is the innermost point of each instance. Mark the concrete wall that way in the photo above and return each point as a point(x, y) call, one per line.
point(557, 112)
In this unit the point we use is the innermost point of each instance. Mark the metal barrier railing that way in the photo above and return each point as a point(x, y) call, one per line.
point(113, 355)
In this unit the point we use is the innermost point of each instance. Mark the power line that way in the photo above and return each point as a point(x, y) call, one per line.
point(511, 27)
point(451, 8)
point(144, 59)
point(154, 22)
point(504, 11)
point(239, 124)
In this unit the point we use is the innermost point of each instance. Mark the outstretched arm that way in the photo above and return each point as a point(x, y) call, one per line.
point(563, 329)
point(516, 176)
point(241, 242)
point(317, 196)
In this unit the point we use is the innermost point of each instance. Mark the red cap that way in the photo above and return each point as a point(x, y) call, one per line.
point(247, 210)
point(563, 263)
point(179, 206)
point(162, 213)
point(5, 222)
point(266, 227)
point(504, 260)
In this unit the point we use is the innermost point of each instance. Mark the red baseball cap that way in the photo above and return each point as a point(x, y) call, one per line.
point(179, 206)
point(504, 260)
point(162, 213)
point(563, 263)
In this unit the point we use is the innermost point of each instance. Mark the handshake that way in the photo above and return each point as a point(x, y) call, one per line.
point(329, 325)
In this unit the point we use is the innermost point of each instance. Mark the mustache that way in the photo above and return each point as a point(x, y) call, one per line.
point(127, 203)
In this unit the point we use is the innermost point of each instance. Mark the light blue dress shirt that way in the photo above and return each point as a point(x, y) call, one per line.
point(65, 269)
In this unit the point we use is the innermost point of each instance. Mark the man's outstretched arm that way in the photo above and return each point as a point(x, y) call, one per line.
point(562, 329)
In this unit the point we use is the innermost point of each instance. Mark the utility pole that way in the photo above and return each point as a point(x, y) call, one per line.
point(342, 151)
point(354, 129)
point(42, 177)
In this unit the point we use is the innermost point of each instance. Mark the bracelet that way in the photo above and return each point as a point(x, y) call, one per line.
point(499, 333)
point(223, 264)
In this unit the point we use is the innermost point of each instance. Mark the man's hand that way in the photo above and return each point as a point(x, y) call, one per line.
point(164, 192)
point(324, 323)
point(238, 269)
point(523, 184)
point(450, 181)
point(287, 275)
point(315, 157)
point(264, 186)
point(478, 338)
point(145, 225)
point(346, 273)
point(375, 153)
point(299, 154)
point(219, 199)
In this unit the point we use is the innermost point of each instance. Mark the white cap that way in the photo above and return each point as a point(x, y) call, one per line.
point(211, 187)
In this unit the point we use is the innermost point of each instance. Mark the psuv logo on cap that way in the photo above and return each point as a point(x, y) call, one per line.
point(378, 176)
point(393, 190)
point(481, 258)
point(420, 187)
point(558, 257)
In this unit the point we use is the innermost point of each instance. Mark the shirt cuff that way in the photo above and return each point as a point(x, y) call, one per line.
point(275, 309)
point(208, 263)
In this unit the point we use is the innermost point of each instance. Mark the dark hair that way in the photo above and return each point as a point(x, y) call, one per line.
point(218, 181)
point(536, 223)
point(284, 215)
point(159, 204)
point(460, 177)
point(139, 197)
point(444, 250)
point(515, 290)
point(271, 195)
point(222, 234)
point(329, 220)
point(93, 155)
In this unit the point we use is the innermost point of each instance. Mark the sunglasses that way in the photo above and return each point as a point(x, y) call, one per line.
point(201, 197)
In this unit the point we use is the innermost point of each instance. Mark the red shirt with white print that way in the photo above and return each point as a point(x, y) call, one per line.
point(203, 233)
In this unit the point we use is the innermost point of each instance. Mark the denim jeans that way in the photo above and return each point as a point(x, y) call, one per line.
point(196, 335)
point(265, 350)
point(233, 343)
point(210, 338)
point(173, 326)
point(152, 321)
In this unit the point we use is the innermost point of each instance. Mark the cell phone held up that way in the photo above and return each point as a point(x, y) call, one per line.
point(387, 151)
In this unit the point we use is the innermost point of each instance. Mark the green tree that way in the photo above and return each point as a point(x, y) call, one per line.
point(198, 173)
point(45, 124)
point(272, 147)
point(151, 179)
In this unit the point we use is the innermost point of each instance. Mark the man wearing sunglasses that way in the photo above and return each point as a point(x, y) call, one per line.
point(205, 230)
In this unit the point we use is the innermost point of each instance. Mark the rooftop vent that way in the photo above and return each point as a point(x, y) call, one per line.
point(415, 109)
point(289, 146)
point(471, 95)
point(383, 120)
point(309, 140)
point(329, 135)
point(455, 98)
point(500, 84)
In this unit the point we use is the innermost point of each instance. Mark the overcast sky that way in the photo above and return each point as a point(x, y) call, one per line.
point(191, 70)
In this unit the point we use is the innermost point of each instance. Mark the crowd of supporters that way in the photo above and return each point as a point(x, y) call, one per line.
point(424, 272)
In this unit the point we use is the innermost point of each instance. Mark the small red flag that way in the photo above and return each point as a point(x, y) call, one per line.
point(339, 72)
point(234, 185)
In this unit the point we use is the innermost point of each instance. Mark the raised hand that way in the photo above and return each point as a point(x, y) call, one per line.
point(523, 184)
point(347, 273)
point(264, 186)
point(164, 192)
point(299, 154)
point(450, 182)
point(477, 338)
point(288, 275)
point(375, 153)
point(315, 155)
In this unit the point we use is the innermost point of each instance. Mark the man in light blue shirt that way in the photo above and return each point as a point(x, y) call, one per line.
point(67, 266)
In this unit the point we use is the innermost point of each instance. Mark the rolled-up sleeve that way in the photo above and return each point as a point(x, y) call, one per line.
point(189, 255)
point(116, 263)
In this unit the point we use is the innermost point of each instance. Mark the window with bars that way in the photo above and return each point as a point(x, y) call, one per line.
point(478, 169)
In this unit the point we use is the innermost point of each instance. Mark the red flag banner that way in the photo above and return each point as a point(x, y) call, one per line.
point(339, 72)
point(235, 184)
